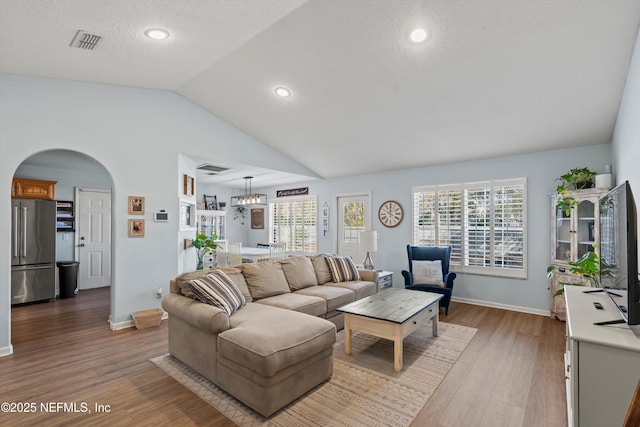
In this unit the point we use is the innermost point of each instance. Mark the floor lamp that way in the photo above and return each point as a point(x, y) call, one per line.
point(368, 243)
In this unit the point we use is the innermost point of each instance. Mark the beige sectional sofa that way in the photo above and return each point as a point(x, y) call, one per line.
point(279, 345)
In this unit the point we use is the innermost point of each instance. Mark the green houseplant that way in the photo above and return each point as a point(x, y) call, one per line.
point(588, 266)
point(203, 244)
point(575, 179)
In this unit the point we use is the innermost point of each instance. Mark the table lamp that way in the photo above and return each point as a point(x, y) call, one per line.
point(368, 243)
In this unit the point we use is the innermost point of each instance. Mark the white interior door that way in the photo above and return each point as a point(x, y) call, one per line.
point(354, 215)
point(93, 238)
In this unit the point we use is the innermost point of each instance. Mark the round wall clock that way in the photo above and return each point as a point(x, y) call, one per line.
point(390, 213)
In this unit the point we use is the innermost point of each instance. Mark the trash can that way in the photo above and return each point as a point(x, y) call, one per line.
point(68, 272)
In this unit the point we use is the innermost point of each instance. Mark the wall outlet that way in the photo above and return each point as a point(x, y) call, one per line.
point(159, 293)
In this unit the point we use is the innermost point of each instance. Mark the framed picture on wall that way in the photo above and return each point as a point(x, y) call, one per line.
point(136, 228)
point(189, 189)
point(211, 203)
point(187, 215)
point(257, 219)
point(136, 205)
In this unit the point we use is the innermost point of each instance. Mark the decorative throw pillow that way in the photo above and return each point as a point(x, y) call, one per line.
point(342, 269)
point(216, 288)
point(299, 272)
point(427, 272)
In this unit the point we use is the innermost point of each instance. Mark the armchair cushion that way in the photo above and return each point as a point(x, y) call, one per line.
point(427, 272)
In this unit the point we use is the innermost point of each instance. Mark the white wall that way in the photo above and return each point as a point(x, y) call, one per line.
point(137, 135)
point(626, 138)
point(540, 169)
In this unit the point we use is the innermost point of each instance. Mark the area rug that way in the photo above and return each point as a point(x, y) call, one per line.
point(364, 389)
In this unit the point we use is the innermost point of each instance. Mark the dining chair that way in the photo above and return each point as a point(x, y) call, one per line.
point(235, 253)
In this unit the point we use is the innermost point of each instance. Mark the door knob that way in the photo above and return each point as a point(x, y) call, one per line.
point(81, 245)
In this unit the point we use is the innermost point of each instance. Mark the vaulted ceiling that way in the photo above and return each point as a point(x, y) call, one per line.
point(492, 78)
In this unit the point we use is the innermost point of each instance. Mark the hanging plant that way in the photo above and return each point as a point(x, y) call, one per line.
point(240, 212)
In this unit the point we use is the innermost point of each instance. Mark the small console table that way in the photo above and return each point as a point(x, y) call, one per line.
point(602, 363)
point(385, 280)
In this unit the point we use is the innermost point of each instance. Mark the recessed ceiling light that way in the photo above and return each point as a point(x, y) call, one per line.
point(157, 33)
point(283, 92)
point(418, 35)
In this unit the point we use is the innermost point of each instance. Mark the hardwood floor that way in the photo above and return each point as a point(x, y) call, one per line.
point(64, 352)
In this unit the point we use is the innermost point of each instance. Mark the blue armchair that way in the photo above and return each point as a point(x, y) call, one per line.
point(427, 253)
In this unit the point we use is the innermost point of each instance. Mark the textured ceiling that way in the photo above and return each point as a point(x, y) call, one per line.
point(494, 78)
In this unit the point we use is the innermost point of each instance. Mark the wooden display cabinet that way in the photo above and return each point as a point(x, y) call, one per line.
point(571, 237)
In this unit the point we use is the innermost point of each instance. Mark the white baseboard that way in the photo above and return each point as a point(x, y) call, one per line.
point(6, 351)
point(502, 306)
point(116, 326)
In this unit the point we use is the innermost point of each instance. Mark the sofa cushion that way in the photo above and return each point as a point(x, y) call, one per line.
point(427, 272)
point(267, 339)
point(323, 274)
point(334, 297)
point(299, 272)
point(215, 288)
point(265, 279)
point(235, 274)
point(315, 306)
point(361, 289)
point(342, 269)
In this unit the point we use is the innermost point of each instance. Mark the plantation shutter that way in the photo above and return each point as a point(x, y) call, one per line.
point(294, 221)
point(450, 222)
point(477, 223)
point(483, 222)
point(508, 226)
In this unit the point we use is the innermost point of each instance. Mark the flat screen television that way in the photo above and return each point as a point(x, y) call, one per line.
point(619, 252)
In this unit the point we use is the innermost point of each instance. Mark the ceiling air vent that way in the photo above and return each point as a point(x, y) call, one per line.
point(212, 169)
point(84, 40)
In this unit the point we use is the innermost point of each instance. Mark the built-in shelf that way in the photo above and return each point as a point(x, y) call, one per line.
point(65, 216)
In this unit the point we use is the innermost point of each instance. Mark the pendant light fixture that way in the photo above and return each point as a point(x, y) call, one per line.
point(248, 198)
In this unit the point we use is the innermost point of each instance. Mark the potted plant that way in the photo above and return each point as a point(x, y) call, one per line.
point(589, 266)
point(575, 179)
point(203, 244)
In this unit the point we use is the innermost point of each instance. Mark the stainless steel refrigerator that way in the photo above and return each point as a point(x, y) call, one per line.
point(33, 250)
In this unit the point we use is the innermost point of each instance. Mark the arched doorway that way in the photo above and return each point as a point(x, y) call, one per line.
point(72, 171)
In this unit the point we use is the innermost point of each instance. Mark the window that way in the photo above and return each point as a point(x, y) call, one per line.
point(294, 221)
point(483, 222)
point(353, 214)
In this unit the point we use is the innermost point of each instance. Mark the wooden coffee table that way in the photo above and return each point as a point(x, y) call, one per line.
point(391, 314)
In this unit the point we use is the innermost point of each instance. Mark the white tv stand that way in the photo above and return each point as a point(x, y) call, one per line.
point(602, 363)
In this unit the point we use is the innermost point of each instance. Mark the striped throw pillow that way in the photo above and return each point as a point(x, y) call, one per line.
point(342, 269)
point(216, 288)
